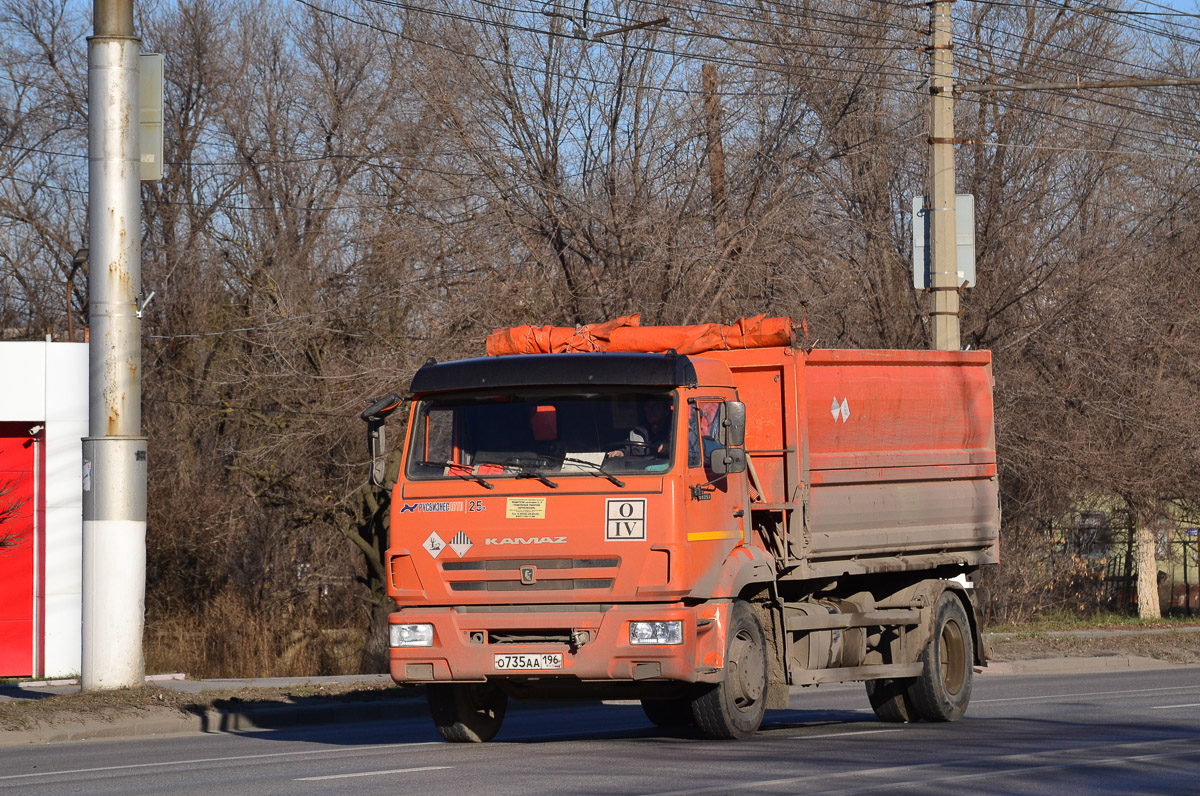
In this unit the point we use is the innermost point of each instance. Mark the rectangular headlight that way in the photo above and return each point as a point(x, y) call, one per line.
point(411, 635)
point(656, 632)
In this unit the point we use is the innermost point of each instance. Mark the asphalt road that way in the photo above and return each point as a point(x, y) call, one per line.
point(1126, 732)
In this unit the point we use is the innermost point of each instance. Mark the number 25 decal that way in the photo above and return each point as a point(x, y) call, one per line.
point(474, 506)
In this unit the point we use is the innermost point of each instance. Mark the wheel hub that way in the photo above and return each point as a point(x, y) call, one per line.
point(746, 670)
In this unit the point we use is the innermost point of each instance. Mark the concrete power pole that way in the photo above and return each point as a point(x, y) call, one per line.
point(943, 262)
point(114, 453)
point(715, 150)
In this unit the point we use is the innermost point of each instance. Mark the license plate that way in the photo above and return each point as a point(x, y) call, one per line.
point(521, 662)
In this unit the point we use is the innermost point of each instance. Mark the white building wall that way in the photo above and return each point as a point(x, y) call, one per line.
point(49, 384)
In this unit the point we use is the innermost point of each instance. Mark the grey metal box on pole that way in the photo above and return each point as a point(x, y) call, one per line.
point(964, 237)
point(150, 115)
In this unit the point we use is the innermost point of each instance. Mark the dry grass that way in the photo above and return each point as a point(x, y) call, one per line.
point(1173, 646)
point(229, 638)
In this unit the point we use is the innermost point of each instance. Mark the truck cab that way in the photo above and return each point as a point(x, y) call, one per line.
point(560, 523)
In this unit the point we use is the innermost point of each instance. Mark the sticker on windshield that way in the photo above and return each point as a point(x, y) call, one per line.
point(625, 519)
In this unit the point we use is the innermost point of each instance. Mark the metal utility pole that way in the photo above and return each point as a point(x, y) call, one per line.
point(943, 262)
point(114, 453)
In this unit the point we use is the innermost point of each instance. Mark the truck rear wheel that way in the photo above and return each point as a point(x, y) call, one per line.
point(734, 707)
point(466, 712)
point(891, 702)
point(943, 689)
point(669, 712)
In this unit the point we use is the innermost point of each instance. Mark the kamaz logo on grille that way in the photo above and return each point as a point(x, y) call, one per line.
point(527, 540)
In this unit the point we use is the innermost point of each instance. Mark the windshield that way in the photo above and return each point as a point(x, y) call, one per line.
point(494, 436)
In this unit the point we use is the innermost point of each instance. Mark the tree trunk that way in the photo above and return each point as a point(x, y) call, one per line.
point(1147, 573)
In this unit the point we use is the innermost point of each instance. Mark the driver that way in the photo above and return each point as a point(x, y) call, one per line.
point(655, 435)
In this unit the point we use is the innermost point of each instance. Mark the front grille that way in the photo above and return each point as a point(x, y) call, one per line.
point(549, 636)
point(549, 574)
point(541, 585)
point(540, 563)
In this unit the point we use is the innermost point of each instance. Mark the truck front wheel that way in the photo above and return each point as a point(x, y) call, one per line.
point(734, 707)
point(943, 689)
point(668, 712)
point(466, 712)
point(890, 701)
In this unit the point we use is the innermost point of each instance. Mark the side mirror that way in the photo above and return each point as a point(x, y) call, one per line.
point(735, 425)
point(724, 461)
point(375, 416)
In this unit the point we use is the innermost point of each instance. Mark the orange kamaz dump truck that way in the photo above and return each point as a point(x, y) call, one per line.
point(695, 517)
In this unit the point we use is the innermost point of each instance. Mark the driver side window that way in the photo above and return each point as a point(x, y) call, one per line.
point(704, 431)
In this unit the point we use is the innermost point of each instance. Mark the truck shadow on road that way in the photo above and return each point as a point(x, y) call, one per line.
point(407, 721)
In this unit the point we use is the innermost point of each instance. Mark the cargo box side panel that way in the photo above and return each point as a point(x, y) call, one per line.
point(903, 463)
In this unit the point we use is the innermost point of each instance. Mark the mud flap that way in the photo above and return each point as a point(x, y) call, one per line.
point(778, 695)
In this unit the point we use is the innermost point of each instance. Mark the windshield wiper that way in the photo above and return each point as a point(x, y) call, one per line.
point(597, 469)
point(534, 474)
point(457, 470)
point(523, 470)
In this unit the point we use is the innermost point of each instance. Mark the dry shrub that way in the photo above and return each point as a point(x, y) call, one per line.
point(1037, 577)
point(230, 637)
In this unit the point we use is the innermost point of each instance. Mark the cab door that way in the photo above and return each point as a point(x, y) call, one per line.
point(715, 507)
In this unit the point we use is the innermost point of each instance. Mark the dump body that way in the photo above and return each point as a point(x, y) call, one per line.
point(892, 454)
point(552, 536)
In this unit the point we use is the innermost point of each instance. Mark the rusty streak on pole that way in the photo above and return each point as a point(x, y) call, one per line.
point(114, 453)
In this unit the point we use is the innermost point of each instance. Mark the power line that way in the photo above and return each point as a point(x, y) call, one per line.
point(541, 69)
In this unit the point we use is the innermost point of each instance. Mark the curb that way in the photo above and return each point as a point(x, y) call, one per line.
point(225, 721)
point(1089, 665)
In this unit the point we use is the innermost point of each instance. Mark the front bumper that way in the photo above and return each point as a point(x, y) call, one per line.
point(466, 642)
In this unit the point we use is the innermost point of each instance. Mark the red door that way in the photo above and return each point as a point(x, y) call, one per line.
point(18, 548)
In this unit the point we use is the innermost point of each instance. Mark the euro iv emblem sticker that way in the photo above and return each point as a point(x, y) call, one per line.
point(625, 519)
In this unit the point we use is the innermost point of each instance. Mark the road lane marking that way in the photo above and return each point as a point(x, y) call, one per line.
point(1170, 707)
point(840, 734)
point(925, 781)
point(373, 773)
point(893, 771)
point(212, 760)
point(1087, 695)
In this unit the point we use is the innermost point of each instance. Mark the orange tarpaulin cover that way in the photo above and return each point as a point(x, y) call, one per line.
point(624, 334)
point(555, 339)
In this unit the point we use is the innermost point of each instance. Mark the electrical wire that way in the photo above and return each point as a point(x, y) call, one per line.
point(1079, 125)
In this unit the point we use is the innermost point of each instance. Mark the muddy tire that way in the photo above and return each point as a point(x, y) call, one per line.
point(943, 689)
point(734, 707)
point(890, 701)
point(466, 712)
point(669, 712)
